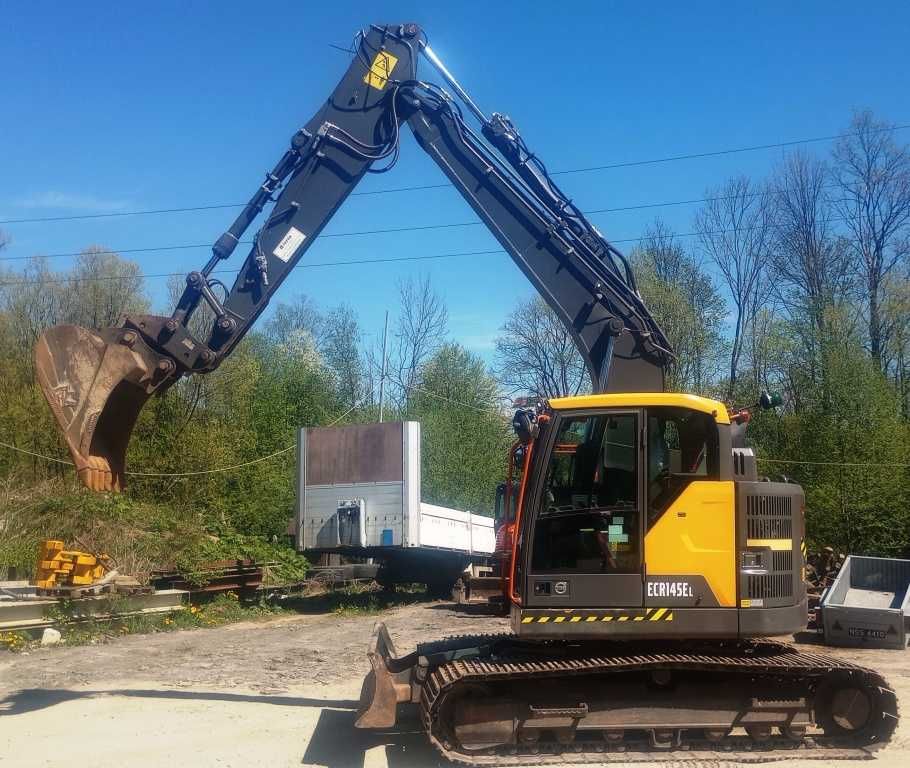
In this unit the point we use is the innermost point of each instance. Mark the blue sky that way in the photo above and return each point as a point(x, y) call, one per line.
point(108, 107)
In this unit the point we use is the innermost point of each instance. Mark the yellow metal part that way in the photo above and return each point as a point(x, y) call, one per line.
point(618, 614)
point(778, 545)
point(696, 535)
point(645, 400)
point(59, 567)
point(380, 70)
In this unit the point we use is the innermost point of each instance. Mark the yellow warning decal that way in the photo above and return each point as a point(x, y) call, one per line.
point(380, 70)
point(778, 545)
point(643, 614)
point(744, 603)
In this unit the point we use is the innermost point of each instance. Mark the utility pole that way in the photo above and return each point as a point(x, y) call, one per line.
point(385, 333)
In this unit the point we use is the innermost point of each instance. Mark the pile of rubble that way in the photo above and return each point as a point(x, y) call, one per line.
point(822, 567)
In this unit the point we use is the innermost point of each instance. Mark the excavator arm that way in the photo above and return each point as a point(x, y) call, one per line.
point(96, 382)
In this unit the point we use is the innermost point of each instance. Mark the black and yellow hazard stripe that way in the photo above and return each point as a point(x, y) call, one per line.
point(619, 615)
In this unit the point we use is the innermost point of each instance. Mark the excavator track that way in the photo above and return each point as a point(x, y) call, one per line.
point(518, 707)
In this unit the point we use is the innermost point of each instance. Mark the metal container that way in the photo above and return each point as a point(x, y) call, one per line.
point(868, 604)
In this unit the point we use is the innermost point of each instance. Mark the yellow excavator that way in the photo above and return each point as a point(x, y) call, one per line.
point(648, 559)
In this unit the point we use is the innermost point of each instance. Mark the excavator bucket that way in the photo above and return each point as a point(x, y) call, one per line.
point(96, 382)
point(387, 684)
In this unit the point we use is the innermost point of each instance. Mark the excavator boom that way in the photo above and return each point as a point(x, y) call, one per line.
point(97, 381)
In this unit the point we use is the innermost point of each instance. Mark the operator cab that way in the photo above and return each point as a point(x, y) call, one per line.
point(607, 469)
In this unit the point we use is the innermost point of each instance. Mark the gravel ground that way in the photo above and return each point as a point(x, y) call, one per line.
point(281, 692)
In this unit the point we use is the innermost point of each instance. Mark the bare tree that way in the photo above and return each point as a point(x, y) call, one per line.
point(340, 348)
point(735, 231)
point(420, 329)
point(683, 298)
point(536, 354)
point(32, 300)
point(873, 176)
point(809, 261)
point(101, 288)
point(290, 319)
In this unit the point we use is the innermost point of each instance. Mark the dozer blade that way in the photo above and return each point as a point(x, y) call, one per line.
point(96, 382)
point(387, 684)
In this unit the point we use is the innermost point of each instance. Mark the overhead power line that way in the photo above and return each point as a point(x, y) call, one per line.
point(422, 187)
point(107, 278)
point(267, 457)
point(212, 470)
point(289, 448)
point(413, 228)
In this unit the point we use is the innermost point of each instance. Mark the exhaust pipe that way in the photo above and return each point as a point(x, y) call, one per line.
point(96, 383)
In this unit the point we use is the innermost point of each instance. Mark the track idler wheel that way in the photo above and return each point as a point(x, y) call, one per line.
point(472, 719)
point(848, 708)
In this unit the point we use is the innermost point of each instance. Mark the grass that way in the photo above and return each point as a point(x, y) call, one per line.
point(14, 641)
point(355, 600)
point(137, 536)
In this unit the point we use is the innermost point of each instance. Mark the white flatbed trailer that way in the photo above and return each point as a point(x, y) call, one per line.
point(359, 494)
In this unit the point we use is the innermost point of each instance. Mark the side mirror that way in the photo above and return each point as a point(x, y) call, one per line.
point(524, 422)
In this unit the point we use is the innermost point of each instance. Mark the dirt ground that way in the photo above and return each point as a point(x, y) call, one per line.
point(282, 692)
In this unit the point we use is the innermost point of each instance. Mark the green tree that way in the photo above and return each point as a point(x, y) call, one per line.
point(465, 438)
point(847, 449)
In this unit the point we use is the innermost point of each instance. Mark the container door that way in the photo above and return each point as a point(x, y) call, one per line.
point(586, 547)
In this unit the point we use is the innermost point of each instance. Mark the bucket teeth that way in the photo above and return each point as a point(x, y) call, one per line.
point(96, 383)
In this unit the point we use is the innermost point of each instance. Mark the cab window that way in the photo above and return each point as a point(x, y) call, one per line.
point(682, 447)
point(588, 520)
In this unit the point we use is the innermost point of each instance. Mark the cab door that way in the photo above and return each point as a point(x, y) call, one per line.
point(587, 532)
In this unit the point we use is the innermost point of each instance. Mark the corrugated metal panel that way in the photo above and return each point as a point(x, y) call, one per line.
point(382, 506)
